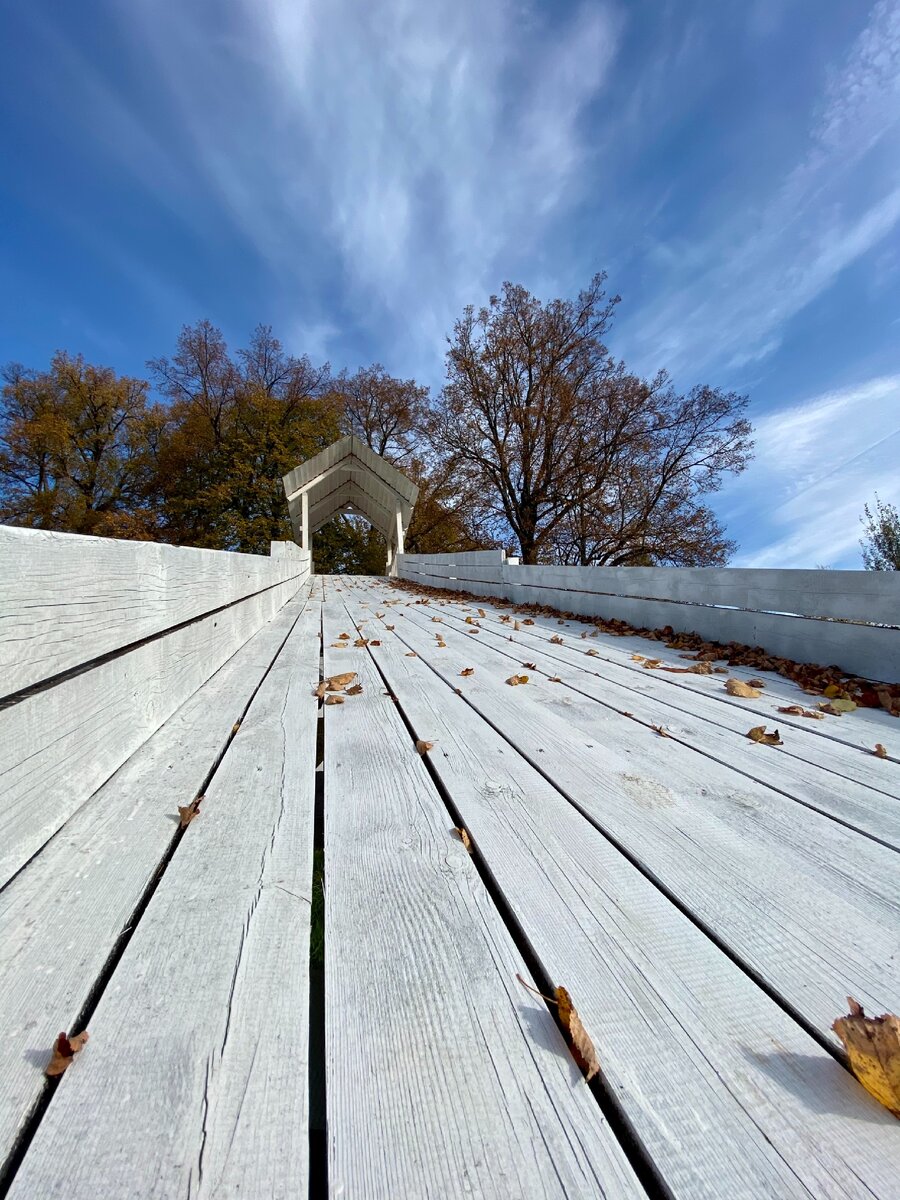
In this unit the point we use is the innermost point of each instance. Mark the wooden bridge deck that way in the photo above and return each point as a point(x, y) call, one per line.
point(708, 902)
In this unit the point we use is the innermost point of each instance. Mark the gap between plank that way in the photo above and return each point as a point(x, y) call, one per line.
point(638, 1157)
point(30, 1127)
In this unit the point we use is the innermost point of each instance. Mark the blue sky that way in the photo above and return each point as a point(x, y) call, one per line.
point(354, 173)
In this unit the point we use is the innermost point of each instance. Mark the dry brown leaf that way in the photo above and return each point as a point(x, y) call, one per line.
point(345, 637)
point(337, 683)
point(758, 734)
point(361, 642)
point(465, 839)
point(659, 729)
point(515, 680)
point(880, 751)
point(651, 664)
point(554, 679)
point(556, 640)
point(187, 812)
point(467, 671)
point(637, 658)
point(64, 1051)
point(338, 645)
point(582, 1046)
point(379, 615)
point(737, 687)
point(411, 654)
point(374, 642)
point(482, 613)
point(474, 629)
point(389, 628)
point(873, 1048)
point(437, 620)
point(333, 698)
point(528, 621)
point(592, 653)
point(720, 670)
point(235, 727)
point(424, 747)
point(797, 710)
point(320, 689)
point(355, 690)
point(530, 666)
point(757, 683)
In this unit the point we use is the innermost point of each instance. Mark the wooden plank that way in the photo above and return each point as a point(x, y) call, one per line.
point(821, 743)
point(845, 595)
point(62, 916)
point(807, 905)
point(726, 1093)
point(195, 1079)
point(59, 745)
point(803, 769)
point(66, 599)
point(445, 1077)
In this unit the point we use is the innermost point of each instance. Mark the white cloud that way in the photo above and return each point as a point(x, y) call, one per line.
point(817, 463)
point(732, 294)
point(431, 145)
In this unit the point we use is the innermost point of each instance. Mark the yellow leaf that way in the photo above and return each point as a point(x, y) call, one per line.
point(737, 687)
point(465, 839)
point(842, 705)
point(873, 1047)
point(831, 691)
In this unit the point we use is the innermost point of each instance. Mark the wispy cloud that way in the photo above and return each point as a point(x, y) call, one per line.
point(818, 462)
point(429, 145)
point(726, 300)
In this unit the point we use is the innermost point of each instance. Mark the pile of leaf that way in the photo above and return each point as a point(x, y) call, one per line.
point(816, 680)
point(336, 687)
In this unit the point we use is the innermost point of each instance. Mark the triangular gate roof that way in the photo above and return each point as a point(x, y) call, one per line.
point(349, 477)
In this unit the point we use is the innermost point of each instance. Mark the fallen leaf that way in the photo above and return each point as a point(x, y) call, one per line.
point(389, 628)
point(873, 1048)
point(470, 620)
point(411, 654)
point(482, 613)
point(831, 691)
point(344, 636)
point(437, 620)
point(651, 664)
point(758, 734)
point(516, 626)
point(374, 642)
point(556, 640)
point(64, 1051)
point(659, 729)
point(880, 751)
point(361, 642)
point(737, 687)
point(235, 727)
point(554, 679)
point(465, 839)
point(424, 747)
point(797, 710)
point(582, 1046)
point(338, 645)
point(187, 812)
point(332, 698)
point(757, 683)
point(515, 680)
point(720, 670)
point(528, 621)
point(843, 705)
point(592, 653)
point(467, 671)
point(337, 683)
point(530, 666)
point(320, 689)
point(355, 690)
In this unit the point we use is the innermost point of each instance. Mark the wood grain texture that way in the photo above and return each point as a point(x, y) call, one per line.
point(809, 906)
point(195, 1079)
point(66, 599)
point(727, 1094)
point(62, 916)
point(860, 790)
point(59, 745)
point(865, 649)
point(445, 1077)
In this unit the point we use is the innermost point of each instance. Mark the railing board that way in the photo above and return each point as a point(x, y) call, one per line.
point(66, 599)
point(195, 1078)
point(445, 1077)
point(59, 745)
point(727, 1094)
point(62, 916)
point(809, 906)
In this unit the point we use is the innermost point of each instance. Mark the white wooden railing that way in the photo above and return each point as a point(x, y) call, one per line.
point(850, 619)
point(101, 641)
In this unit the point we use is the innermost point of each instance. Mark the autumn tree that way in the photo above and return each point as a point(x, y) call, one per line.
point(575, 457)
point(77, 449)
point(238, 423)
point(881, 543)
point(384, 412)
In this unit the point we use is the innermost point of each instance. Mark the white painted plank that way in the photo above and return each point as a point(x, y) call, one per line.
point(805, 768)
point(195, 1079)
point(809, 906)
point(66, 599)
point(821, 743)
point(445, 1078)
point(61, 917)
point(59, 745)
point(727, 1094)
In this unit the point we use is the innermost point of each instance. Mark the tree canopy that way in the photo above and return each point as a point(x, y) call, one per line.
point(881, 541)
point(540, 441)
